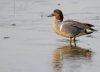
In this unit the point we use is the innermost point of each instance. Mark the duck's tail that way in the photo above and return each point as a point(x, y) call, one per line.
point(88, 25)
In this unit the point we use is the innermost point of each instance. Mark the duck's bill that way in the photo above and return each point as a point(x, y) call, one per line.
point(50, 15)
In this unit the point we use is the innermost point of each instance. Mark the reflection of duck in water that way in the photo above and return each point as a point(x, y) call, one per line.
point(71, 55)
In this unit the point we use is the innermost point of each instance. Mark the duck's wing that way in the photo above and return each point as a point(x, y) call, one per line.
point(85, 28)
point(73, 23)
point(78, 24)
point(70, 29)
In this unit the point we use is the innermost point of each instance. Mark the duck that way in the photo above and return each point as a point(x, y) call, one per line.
point(69, 28)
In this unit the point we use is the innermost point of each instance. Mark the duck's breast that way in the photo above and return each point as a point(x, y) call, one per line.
point(56, 28)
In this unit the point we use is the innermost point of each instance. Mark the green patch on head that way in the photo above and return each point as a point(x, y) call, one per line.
point(58, 11)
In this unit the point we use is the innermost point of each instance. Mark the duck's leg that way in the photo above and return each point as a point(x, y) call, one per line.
point(70, 41)
point(74, 40)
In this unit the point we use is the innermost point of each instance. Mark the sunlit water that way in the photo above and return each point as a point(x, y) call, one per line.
point(28, 44)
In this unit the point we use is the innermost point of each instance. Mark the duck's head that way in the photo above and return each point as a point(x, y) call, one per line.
point(58, 14)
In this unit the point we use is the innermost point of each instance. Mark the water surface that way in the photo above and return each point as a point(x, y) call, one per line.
point(28, 44)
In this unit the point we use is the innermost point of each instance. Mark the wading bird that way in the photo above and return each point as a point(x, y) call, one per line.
point(70, 28)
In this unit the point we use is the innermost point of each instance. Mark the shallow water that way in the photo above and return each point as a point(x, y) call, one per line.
point(28, 44)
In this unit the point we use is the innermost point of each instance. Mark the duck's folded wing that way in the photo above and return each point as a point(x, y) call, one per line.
point(72, 23)
point(70, 29)
point(77, 24)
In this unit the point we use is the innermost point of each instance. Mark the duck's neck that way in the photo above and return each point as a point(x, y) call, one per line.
point(57, 23)
point(58, 20)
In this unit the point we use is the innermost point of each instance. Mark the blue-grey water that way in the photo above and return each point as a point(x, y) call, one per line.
point(28, 44)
